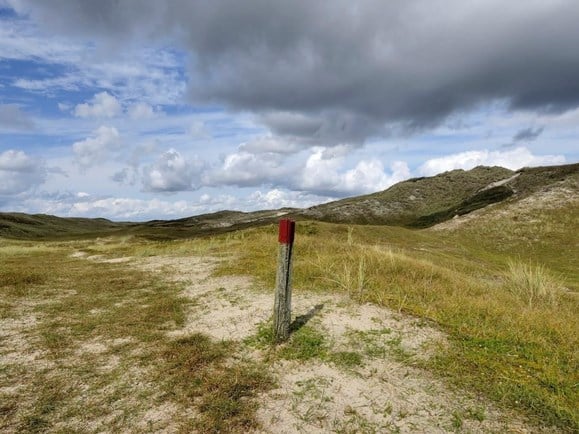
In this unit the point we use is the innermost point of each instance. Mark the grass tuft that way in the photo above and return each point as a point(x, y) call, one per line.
point(305, 344)
point(533, 284)
point(346, 359)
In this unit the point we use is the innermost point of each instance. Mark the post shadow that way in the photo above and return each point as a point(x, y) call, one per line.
point(302, 320)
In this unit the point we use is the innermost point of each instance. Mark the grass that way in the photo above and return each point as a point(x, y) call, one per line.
point(378, 344)
point(533, 284)
point(305, 343)
point(86, 349)
point(517, 346)
point(503, 288)
point(198, 372)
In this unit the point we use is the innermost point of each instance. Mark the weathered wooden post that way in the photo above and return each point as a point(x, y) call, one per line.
point(283, 292)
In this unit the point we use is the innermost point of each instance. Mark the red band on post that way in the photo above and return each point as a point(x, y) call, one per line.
point(287, 230)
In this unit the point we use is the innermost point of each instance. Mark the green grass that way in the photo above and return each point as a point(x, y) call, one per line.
point(305, 343)
point(346, 359)
point(520, 353)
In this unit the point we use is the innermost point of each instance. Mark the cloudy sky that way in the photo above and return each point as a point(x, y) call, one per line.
point(142, 109)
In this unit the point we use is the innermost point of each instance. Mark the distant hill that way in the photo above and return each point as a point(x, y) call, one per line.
point(423, 202)
point(41, 226)
point(415, 203)
point(208, 224)
point(36, 226)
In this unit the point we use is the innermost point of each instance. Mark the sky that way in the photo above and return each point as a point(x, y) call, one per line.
point(143, 109)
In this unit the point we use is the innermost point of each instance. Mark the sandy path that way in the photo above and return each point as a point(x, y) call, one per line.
point(383, 394)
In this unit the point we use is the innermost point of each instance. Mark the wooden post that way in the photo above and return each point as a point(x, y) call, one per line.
point(283, 292)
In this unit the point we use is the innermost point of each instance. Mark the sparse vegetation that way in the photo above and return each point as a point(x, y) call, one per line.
point(522, 354)
point(85, 334)
point(197, 373)
point(305, 343)
point(87, 345)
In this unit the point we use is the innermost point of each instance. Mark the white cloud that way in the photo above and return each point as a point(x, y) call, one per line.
point(82, 204)
point(218, 201)
point(98, 148)
point(511, 159)
point(102, 105)
point(198, 130)
point(121, 208)
point(172, 173)
point(278, 198)
point(64, 107)
point(269, 143)
point(140, 111)
point(320, 173)
point(246, 169)
point(67, 82)
point(369, 176)
point(126, 208)
point(323, 173)
point(147, 73)
point(19, 172)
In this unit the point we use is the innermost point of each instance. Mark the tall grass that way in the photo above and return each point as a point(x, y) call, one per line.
point(514, 334)
point(533, 284)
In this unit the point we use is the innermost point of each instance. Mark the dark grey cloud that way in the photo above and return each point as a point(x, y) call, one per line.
point(346, 70)
point(323, 129)
point(528, 134)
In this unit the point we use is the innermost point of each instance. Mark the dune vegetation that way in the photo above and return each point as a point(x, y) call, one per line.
point(93, 338)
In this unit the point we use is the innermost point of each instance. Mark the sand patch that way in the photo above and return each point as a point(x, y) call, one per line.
point(524, 210)
point(117, 260)
point(382, 394)
point(78, 254)
point(385, 396)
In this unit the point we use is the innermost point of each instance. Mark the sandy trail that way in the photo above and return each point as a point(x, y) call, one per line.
point(385, 393)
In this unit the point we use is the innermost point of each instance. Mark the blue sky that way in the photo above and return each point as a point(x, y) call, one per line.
point(136, 110)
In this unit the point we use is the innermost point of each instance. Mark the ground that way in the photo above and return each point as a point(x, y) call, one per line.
point(348, 367)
